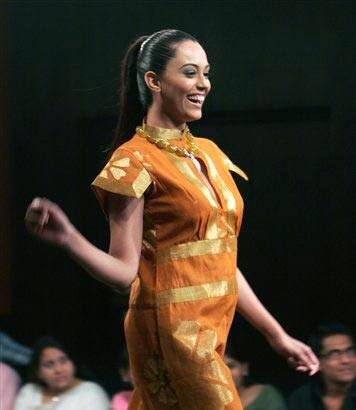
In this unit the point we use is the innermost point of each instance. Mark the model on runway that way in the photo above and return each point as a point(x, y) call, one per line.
point(175, 214)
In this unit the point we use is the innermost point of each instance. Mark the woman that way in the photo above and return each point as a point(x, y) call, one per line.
point(174, 213)
point(54, 384)
point(253, 396)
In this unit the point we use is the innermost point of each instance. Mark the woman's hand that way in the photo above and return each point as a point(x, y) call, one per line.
point(299, 356)
point(46, 220)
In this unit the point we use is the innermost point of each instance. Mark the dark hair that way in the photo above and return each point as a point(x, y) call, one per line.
point(147, 53)
point(41, 344)
point(316, 338)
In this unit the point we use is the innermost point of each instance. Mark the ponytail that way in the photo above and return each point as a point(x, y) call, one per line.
point(131, 111)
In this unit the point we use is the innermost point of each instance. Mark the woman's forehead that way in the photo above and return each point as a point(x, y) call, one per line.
point(189, 52)
point(51, 353)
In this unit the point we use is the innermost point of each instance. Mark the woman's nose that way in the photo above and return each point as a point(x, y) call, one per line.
point(203, 82)
point(58, 367)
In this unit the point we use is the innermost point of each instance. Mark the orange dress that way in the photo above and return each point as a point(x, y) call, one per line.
point(183, 300)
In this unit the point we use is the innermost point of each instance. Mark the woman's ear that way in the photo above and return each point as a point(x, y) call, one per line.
point(152, 81)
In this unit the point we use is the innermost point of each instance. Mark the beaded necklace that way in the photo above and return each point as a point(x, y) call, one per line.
point(162, 143)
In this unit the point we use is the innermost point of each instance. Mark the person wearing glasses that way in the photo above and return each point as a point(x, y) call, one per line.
point(334, 388)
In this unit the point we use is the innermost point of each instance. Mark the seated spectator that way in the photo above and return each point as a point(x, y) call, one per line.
point(334, 388)
point(120, 400)
point(9, 385)
point(253, 396)
point(54, 383)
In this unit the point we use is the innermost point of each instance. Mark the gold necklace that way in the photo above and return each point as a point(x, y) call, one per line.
point(173, 149)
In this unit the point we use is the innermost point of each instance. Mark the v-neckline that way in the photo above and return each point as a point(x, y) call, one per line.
point(206, 178)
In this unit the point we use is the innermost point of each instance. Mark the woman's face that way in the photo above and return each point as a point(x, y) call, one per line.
point(185, 83)
point(55, 369)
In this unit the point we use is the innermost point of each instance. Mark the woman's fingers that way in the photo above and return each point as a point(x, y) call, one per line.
point(35, 214)
point(38, 214)
point(309, 359)
point(47, 221)
point(304, 361)
point(312, 356)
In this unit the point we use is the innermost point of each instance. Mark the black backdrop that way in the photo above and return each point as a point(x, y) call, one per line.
point(281, 107)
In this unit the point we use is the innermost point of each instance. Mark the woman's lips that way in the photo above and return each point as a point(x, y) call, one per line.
point(196, 99)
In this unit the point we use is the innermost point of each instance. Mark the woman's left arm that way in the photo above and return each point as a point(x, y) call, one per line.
point(298, 355)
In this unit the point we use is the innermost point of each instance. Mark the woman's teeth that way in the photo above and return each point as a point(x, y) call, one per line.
point(196, 99)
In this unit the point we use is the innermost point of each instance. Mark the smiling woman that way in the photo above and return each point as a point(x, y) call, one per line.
point(175, 214)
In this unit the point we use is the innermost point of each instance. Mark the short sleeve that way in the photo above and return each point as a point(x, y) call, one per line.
point(124, 174)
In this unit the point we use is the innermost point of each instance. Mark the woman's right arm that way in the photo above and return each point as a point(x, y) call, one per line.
point(46, 220)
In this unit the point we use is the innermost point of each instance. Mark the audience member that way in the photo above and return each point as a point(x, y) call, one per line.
point(9, 385)
point(334, 388)
point(54, 383)
point(253, 396)
point(120, 400)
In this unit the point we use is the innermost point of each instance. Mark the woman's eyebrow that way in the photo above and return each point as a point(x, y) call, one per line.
point(194, 65)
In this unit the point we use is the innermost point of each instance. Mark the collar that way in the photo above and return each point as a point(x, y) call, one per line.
point(164, 133)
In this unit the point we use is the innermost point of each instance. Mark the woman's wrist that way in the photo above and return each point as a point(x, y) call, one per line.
point(71, 241)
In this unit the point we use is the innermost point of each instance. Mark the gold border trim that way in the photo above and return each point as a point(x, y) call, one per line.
point(204, 247)
point(228, 196)
point(134, 189)
point(234, 168)
point(183, 167)
point(164, 133)
point(198, 292)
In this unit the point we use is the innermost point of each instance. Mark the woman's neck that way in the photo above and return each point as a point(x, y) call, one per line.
point(157, 118)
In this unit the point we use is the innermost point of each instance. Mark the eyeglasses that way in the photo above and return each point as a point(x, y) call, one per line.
point(336, 353)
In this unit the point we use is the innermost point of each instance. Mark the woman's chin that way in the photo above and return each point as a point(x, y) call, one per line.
point(194, 116)
point(61, 386)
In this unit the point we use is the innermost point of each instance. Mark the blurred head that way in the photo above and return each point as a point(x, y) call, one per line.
point(51, 365)
point(333, 343)
point(168, 67)
point(239, 370)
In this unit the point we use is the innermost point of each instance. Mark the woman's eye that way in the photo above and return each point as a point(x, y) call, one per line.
point(189, 72)
point(207, 75)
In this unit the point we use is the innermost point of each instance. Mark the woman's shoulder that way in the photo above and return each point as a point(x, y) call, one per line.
point(205, 141)
point(134, 143)
point(30, 388)
point(29, 394)
point(91, 387)
point(209, 147)
point(137, 149)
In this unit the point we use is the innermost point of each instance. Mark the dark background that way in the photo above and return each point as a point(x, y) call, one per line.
point(281, 106)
